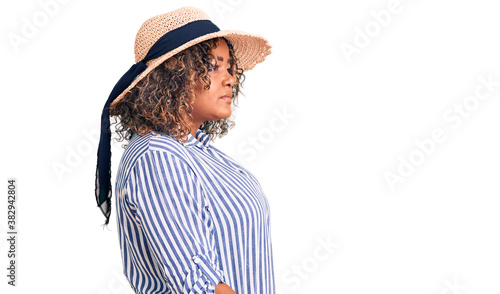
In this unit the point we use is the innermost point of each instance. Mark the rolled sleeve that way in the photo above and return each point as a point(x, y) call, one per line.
point(205, 278)
point(174, 216)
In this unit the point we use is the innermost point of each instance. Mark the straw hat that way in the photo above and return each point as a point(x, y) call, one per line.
point(249, 49)
point(158, 39)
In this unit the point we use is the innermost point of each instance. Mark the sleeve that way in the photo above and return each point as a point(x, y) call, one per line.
point(175, 219)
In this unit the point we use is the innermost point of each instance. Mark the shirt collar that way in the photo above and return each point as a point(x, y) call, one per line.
point(201, 141)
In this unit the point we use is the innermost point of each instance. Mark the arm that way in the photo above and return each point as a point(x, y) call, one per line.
point(223, 289)
point(171, 209)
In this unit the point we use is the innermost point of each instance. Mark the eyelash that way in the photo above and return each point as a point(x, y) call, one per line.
point(216, 67)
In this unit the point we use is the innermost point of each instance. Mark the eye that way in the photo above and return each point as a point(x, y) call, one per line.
point(230, 71)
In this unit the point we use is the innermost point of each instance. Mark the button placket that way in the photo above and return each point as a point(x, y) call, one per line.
point(196, 259)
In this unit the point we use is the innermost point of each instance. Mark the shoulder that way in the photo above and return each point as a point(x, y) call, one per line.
point(154, 153)
point(140, 147)
point(167, 144)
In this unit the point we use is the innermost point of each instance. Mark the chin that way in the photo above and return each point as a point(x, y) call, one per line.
point(225, 114)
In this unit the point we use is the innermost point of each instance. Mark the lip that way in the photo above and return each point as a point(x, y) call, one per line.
point(227, 97)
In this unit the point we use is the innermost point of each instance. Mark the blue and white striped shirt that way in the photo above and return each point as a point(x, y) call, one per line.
point(190, 217)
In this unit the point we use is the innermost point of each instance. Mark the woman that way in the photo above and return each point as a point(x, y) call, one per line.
point(190, 218)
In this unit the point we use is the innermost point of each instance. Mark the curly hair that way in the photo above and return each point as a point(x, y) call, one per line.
point(162, 101)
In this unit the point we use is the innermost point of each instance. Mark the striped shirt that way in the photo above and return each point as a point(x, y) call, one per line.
point(190, 217)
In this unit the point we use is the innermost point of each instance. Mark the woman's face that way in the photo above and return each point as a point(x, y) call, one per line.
point(215, 103)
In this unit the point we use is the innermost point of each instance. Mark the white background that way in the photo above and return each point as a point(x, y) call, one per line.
point(329, 131)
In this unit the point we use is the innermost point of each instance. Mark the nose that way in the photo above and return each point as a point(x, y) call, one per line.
point(228, 79)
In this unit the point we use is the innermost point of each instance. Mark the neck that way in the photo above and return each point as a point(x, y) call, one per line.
point(194, 128)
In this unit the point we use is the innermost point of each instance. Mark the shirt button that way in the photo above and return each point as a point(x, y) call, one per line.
point(196, 259)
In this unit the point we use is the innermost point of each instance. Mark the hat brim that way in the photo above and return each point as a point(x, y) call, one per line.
point(249, 50)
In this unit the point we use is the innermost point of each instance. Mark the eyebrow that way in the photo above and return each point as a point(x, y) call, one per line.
point(220, 58)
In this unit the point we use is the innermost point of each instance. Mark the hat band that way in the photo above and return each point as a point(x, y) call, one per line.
point(165, 44)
